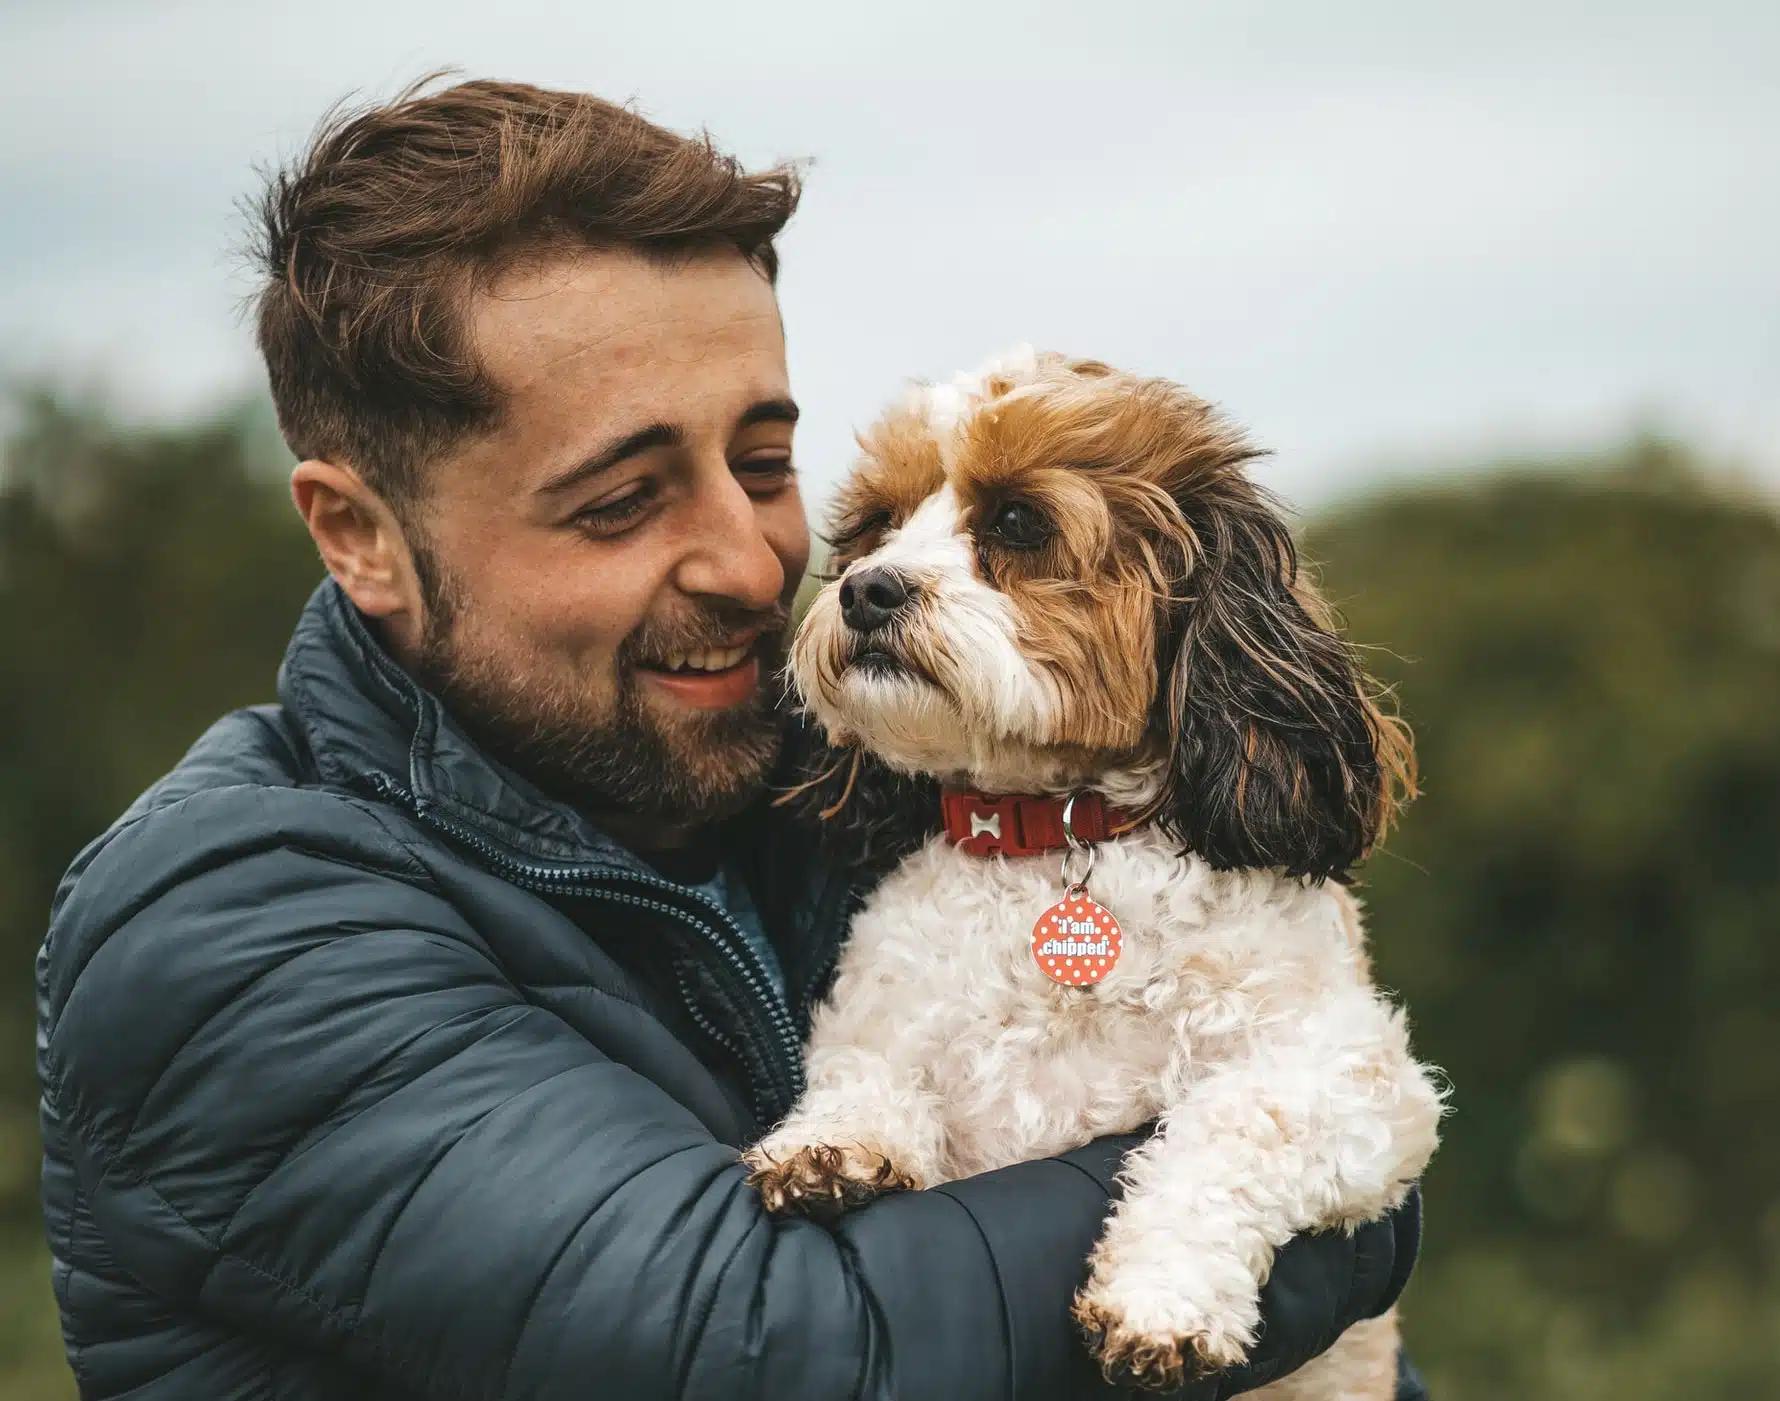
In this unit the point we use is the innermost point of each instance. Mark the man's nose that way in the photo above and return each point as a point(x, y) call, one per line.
point(734, 559)
point(872, 596)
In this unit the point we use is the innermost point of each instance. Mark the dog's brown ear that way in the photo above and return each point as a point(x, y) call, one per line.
point(1279, 755)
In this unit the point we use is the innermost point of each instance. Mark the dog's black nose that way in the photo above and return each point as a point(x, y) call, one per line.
point(872, 597)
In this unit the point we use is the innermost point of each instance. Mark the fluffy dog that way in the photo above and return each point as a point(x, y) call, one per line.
point(1055, 579)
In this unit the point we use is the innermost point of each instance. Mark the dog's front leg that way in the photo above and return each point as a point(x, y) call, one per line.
point(1325, 1129)
point(866, 1125)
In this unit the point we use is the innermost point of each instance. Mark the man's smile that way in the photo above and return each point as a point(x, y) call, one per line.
point(710, 678)
point(707, 659)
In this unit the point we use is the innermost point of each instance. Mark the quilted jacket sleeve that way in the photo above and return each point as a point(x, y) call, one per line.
point(305, 1103)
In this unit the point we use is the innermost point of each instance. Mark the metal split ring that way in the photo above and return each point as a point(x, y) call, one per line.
point(1076, 844)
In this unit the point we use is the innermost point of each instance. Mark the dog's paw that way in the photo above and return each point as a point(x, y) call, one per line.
point(1151, 1353)
point(820, 1180)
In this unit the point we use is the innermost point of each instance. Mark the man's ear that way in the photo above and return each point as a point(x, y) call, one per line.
point(1279, 754)
point(360, 540)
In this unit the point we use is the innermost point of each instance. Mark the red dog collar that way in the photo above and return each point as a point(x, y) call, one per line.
point(1013, 826)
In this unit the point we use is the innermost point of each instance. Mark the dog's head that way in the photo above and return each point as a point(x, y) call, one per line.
point(1051, 575)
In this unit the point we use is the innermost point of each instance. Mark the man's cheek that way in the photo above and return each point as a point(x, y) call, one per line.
point(788, 532)
point(587, 635)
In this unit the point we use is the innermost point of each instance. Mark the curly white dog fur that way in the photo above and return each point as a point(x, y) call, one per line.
point(1055, 578)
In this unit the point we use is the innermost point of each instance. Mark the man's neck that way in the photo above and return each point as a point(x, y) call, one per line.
point(644, 835)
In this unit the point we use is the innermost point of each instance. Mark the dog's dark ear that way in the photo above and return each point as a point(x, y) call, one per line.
point(858, 810)
point(1279, 755)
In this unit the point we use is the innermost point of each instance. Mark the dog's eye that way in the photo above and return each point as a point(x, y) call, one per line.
point(1019, 525)
point(852, 532)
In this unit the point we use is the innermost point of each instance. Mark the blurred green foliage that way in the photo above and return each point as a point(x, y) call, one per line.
point(1582, 911)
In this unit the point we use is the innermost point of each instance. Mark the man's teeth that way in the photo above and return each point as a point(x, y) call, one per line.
point(711, 659)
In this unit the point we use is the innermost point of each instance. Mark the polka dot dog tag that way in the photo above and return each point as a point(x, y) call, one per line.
point(1076, 942)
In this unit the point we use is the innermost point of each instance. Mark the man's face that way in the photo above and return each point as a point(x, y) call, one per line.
point(609, 571)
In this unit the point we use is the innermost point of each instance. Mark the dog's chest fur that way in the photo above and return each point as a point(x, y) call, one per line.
point(1022, 1067)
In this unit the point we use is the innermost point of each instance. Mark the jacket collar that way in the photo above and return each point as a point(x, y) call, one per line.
point(373, 729)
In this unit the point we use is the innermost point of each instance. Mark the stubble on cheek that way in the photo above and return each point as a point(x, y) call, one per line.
point(584, 729)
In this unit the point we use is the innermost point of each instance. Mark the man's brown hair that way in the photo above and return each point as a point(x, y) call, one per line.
point(373, 241)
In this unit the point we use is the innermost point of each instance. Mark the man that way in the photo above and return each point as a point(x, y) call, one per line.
point(401, 1041)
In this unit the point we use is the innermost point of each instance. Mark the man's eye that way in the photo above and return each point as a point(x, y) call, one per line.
point(1019, 525)
point(765, 473)
point(612, 517)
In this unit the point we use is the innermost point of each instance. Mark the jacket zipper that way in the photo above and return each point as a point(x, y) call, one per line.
point(823, 966)
point(779, 1079)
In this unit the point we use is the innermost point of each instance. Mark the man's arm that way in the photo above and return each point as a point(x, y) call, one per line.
point(307, 1104)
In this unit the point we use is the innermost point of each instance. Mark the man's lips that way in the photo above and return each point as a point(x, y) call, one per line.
point(697, 678)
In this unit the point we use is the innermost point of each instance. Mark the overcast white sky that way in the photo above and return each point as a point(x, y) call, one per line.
point(1379, 229)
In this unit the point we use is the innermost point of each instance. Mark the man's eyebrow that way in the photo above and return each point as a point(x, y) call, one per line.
point(656, 435)
point(768, 411)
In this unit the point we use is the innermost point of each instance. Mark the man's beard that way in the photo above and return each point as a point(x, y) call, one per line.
point(608, 751)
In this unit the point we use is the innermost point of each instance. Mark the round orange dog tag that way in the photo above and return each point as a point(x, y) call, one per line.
point(1076, 942)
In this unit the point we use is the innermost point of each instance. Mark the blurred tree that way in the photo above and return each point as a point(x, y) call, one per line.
point(1583, 913)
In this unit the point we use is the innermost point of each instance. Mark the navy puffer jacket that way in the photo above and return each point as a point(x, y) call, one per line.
point(370, 1072)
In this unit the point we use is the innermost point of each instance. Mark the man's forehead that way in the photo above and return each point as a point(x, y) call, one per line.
point(618, 320)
